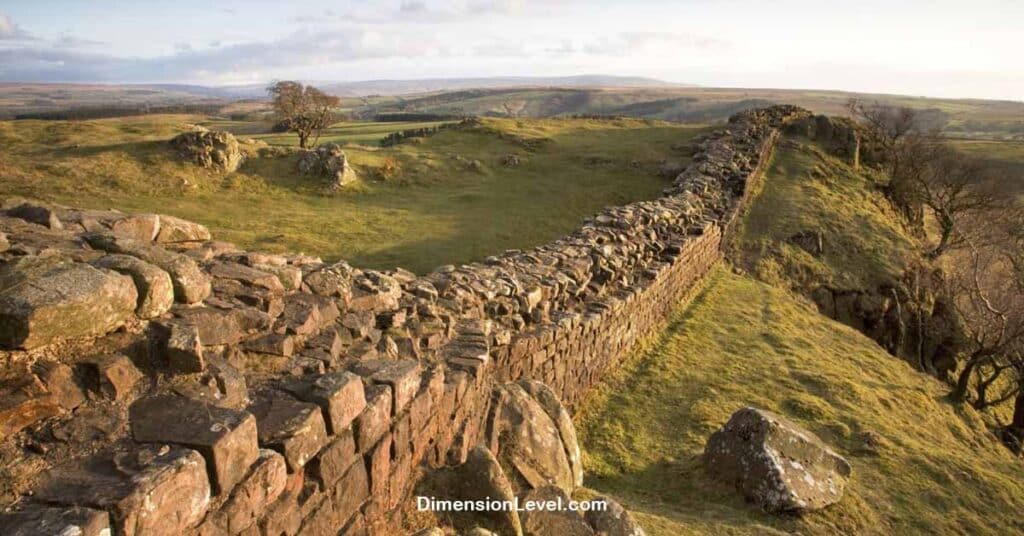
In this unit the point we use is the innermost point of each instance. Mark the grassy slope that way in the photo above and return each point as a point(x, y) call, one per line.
point(437, 211)
point(747, 343)
point(807, 190)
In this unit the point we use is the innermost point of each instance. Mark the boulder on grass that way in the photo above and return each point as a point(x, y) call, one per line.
point(775, 463)
point(209, 149)
point(330, 162)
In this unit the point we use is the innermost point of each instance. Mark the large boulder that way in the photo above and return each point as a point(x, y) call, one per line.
point(775, 463)
point(70, 300)
point(534, 437)
point(544, 522)
point(330, 162)
point(612, 519)
point(209, 149)
point(481, 478)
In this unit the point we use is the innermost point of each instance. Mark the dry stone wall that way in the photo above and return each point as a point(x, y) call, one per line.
point(221, 391)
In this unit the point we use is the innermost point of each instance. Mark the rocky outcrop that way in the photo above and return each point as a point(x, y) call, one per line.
point(775, 463)
point(288, 338)
point(534, 437)
point(210, 149)
point(328, 161)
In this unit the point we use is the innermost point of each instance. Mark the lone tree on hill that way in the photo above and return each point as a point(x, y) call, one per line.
point(305, 110)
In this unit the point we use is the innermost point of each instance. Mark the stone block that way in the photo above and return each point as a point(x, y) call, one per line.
point(295, 429)
point(375, 420)
point(339, 394)
point(68, 301)
point(148, 492)
point(38, 520)
point(154, 286)
point(225, 437)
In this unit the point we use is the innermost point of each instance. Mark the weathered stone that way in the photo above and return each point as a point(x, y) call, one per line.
point(221, 384)
point(184, 348)
point(246, 275)
point(35, 213)
point(272, 343)
point(138, 226)
point(68, 301)
point(23, 404)
point(250, 498)
point(178, 230)
point(191, 285)
point(379, 460)
point(563, 421)
point(339, 394)
point(154, 286)
point(295, 429)
point(335, 459)
point(117, 375)
point(38, 520)
point(530, 441)
point(481, 478)
point(547, 521)
point(209, 149)
point(612, 519)
point(329, 161)
point(215, 326)
point(351, 491)
point(334, 280)
point(226, 438)
point(151, 492)
point(403, 376)
point(375, 420)
point(59, 381)
point(775, 463)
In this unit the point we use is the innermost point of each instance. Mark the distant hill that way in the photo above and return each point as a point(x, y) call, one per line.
point(429, 85)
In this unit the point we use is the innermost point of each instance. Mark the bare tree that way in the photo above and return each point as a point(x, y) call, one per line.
point(304, 109)
point(986, 288)
point(901, 148)
point(955, 188)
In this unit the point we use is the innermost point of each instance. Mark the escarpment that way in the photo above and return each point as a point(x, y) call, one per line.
point(160, 382)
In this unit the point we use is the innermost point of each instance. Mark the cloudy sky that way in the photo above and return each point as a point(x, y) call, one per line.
point(935, 48)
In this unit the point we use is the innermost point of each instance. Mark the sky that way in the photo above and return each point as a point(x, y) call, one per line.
point(931, 48)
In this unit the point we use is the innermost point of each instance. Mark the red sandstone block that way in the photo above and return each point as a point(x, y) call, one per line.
point(43, 520)
point(375, 420)
point(401, 478)
point(403, 376)
point(419, 410)
point(295, 429)
point(225, 437)
point(335, 459)
point(168, 493)
point(351, 491)
point(401, 433)
point(264, 484)
point(339, 394)
point(379, 460)
point(283, 517)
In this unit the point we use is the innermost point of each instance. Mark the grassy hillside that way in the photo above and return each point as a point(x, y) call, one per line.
point(808, 191)
point(965, 118)
point(937, 470)
point(452, 201)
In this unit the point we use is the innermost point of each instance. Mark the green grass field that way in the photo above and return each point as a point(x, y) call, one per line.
point(441, 208)
point(742, 342)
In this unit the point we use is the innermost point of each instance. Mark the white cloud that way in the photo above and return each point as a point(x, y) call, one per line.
point(9, 31)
